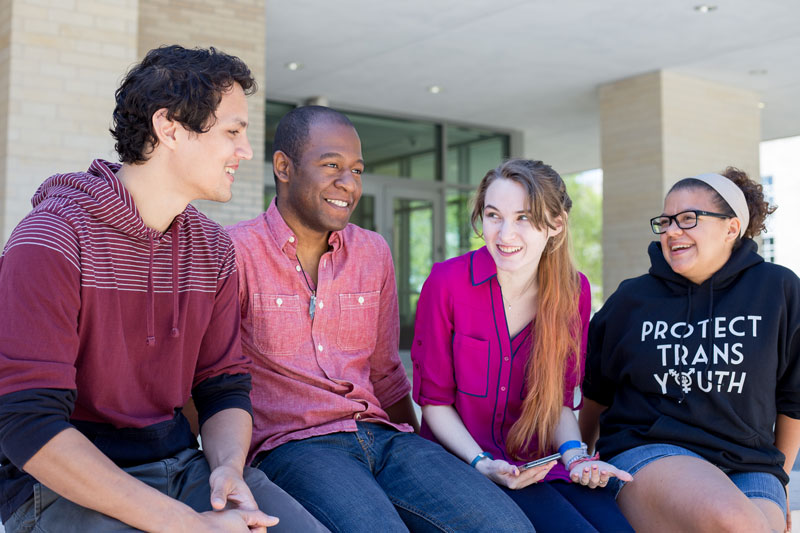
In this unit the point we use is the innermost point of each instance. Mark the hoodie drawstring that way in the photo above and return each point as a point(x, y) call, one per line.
point(151, 326)
point(710, 346)
point(680, 350)
point(175, 306)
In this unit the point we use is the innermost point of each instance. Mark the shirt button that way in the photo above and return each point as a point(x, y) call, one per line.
point(321, 305)
point(279, 301)
point(319, 347)
point(291, 239)
point(505, 358)
point(298, 268)
point(361, 299)
point(503, 389)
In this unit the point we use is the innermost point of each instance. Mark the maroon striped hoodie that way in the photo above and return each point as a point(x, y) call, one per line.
point(108, 326)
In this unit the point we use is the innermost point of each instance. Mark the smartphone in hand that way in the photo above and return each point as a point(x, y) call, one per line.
point(540, 462)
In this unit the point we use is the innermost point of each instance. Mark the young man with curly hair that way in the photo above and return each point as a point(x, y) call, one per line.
point(119, 302)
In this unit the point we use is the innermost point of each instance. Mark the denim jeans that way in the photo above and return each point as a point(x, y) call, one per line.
point(558, 506)
point(183, 477)
point(381, 479)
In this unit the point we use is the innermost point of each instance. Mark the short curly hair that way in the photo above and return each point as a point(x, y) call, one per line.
point(188, 83)
point(291, 134)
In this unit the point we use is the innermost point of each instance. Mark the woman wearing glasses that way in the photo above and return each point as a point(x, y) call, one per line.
point(498, 349)
point(695, 368)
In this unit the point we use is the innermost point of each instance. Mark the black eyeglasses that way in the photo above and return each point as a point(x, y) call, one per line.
point(684, 220)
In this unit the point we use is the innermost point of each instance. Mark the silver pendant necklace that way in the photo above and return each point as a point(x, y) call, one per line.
point(312, 305)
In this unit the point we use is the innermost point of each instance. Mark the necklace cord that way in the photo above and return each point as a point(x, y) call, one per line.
point(312, 305)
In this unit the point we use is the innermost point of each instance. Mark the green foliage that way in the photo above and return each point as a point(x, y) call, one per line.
point(586, 231)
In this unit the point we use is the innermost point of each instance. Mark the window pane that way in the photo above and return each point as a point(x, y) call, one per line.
point(412, 251)
point(269, 193)
point(364, 213)
point(273, 112)
point(395, 147)
point(459, 236)
point(472, 152)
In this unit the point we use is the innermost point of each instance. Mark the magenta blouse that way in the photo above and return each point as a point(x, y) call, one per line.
point(463, 354)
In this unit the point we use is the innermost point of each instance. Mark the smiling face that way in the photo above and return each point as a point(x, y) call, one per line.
point(321, 190)
point(208, 161)
point(514, 244)
point(697, 253)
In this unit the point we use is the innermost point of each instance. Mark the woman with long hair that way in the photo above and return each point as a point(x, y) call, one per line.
point(498, 352)
point(695, 368)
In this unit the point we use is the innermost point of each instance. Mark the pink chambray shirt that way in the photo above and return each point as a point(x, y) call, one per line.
point(463, 354)
point(317, 377)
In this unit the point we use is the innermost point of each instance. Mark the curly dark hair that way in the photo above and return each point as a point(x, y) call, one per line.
point(187, 83)
point(757, 206)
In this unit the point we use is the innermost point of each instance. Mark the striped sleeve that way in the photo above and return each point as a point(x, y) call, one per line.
point(40, 291)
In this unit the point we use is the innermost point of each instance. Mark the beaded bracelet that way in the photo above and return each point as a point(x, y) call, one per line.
point(581, 458)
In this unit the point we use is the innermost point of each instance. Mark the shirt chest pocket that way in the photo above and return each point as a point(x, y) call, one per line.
point(471, 365)
point(276, 318)
point(358, 321)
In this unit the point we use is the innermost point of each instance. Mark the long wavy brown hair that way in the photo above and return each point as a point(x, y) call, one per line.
point(556, 329)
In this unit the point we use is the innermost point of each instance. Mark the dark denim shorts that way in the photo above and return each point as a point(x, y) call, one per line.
point(752, 484)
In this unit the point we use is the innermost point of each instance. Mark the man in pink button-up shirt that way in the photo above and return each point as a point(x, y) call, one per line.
point(334, 423)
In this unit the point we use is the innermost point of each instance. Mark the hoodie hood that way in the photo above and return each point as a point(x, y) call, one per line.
point(742, 258)
point(102, 196)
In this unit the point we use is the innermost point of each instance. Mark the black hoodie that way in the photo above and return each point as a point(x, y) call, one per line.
point(714, 386)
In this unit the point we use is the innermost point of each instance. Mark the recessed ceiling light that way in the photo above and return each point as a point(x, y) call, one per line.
point(705, 8)
point(293, 65)
point(758, 72)
point(434, 89)
point(762, 105)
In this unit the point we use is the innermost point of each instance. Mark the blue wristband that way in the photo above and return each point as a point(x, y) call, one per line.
point(569, 445)
point(482, 455)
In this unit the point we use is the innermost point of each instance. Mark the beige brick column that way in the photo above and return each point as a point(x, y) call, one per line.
point(235, 27)
point(5, 55)
point(60, 62)
point(657, 128)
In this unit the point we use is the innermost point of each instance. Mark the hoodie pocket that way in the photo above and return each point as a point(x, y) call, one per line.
point(275, 319)
point(471, 364)
point(729, 451)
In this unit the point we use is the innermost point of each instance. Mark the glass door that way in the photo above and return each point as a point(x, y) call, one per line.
point(415, 246)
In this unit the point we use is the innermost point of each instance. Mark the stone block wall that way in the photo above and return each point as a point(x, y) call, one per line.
point(64, 61)
point(236, 28)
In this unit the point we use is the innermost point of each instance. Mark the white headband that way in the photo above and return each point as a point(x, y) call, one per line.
point(732, 194)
